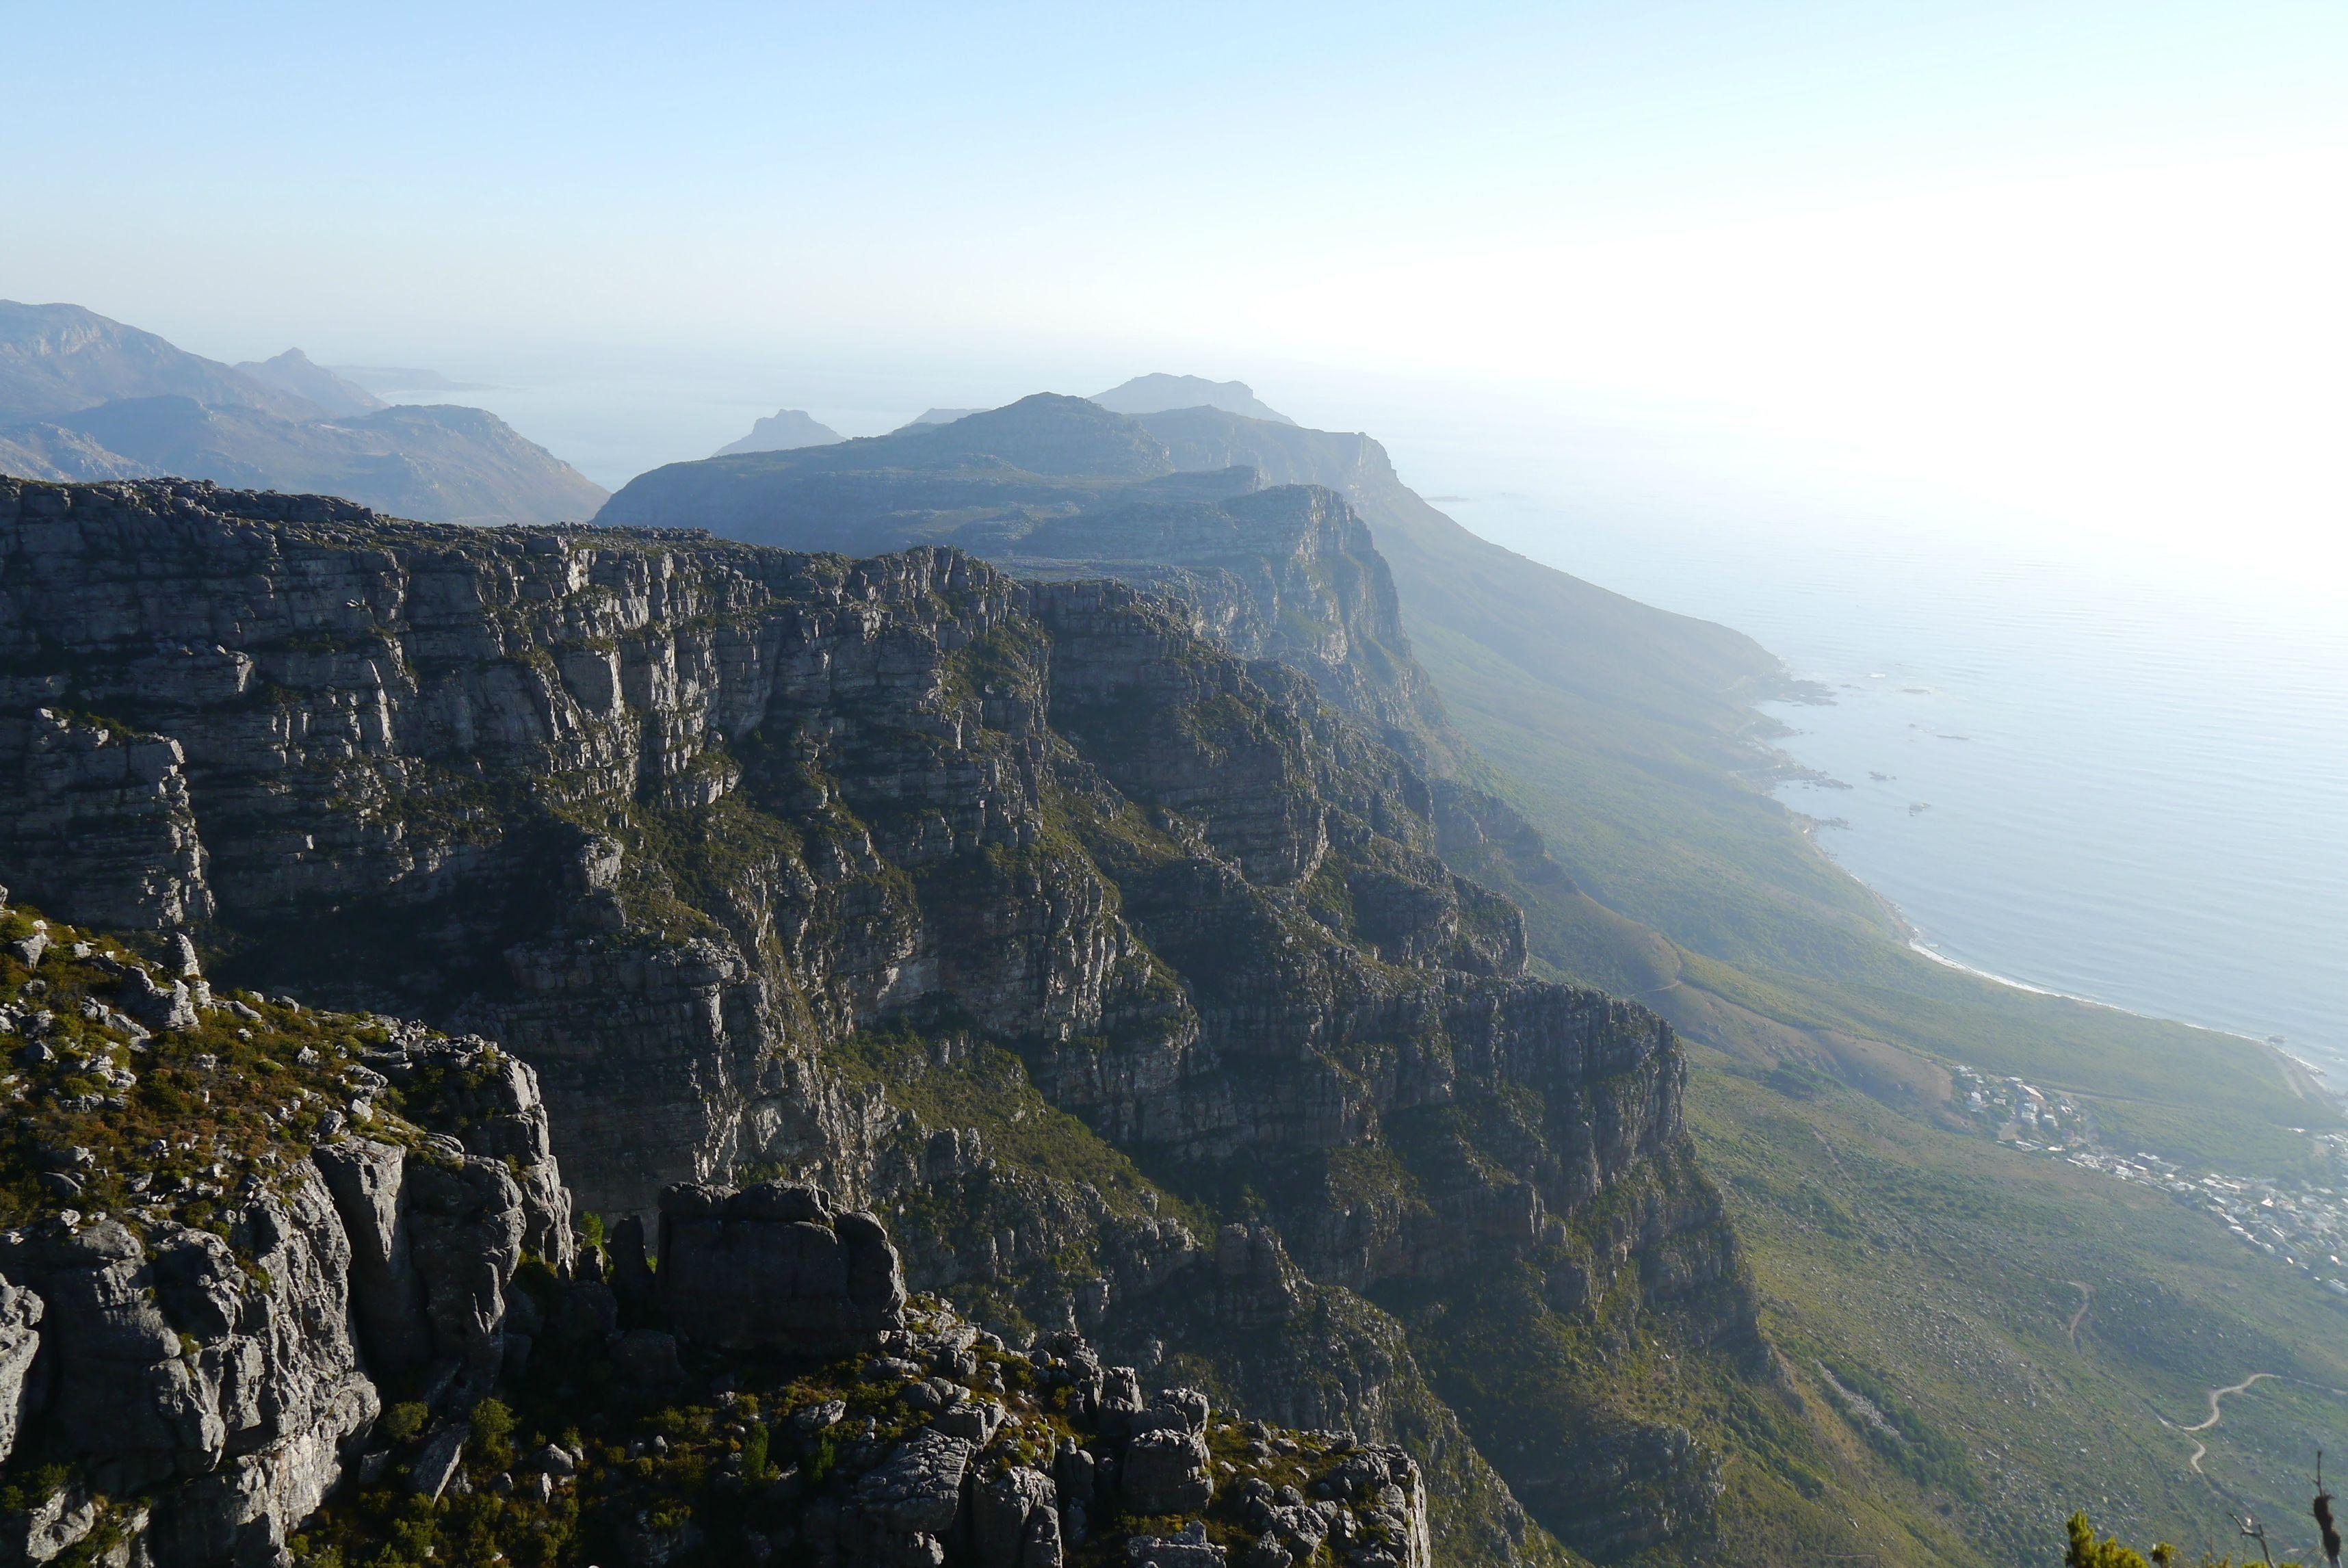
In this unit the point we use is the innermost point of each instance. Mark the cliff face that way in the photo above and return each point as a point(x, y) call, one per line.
point(768, 861)
point(198, 1363)
point(226, 1250)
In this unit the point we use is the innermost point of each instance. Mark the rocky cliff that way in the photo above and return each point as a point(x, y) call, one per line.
point(235, 1227)
point(321, 1346)
point(1018, 912)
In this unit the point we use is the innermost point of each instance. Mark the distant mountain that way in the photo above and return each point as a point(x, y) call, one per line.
point(883, 492)
point(61, 358)
point(1155, 393)
point(438, 463)
point(83, 397)
point(787, 431)
point(941, 417)
point(293, 372)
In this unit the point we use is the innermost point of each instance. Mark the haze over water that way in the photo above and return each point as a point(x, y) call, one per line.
point(2065, 764)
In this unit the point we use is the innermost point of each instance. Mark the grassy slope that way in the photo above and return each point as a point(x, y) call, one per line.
point(1931, 1263)
point(1939, 1269)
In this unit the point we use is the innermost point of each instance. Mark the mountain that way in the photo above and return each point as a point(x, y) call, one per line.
point(878, 492)
point(1828, 1060)
point(58, 359)
point(1120, 973)
point(82, 398)
point(785, 431)
point(293, 372)
point(450, 464)
point(941, 417)
point(1157, 392)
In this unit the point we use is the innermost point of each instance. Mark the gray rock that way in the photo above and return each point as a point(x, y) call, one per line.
point(736, 1274)
point(1000, 1507)
point(1190, 1549)
point(914, 1496)
point(1166, 1471)
point(551, 1460)
point(436, 1463)
point(50, 1528)
point(1044, 1546)
point(819, 1418)
point(974, 1420)
point(159, 1006)
point(1267, 1552)
point(20, 1342)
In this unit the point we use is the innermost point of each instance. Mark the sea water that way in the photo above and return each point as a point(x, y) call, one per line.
point(2066, 767)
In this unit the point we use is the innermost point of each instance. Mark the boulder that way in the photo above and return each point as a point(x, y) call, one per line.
point(20, 1342)
point(772, 1269)
point(999, 1512)
point(908, 1505)
point(1166, 1471)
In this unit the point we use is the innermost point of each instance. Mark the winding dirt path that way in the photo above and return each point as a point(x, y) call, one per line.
point(2086, 1299)
point(2200, 1448)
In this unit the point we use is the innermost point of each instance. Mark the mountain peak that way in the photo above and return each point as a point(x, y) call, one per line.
point(58, 359)
point(1157, 392)
point(786, 430)
point(294, 371)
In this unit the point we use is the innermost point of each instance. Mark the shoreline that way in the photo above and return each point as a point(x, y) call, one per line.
point(1912, 937)
point(1916, 944)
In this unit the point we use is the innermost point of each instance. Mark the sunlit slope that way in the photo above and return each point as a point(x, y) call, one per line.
point(1626, 735)
point(1940, 1277)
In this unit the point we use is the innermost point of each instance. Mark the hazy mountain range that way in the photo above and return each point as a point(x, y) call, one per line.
point(83, 397)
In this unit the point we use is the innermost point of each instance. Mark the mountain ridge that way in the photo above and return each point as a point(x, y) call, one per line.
point(83, 397)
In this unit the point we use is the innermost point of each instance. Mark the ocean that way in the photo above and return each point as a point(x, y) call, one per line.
point(2067, 768)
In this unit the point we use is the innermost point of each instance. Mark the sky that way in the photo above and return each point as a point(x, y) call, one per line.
point(2071, 266)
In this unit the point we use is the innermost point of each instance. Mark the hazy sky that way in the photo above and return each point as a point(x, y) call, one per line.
point(2086, 259)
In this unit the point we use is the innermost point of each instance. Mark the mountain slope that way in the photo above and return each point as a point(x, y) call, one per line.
point(450, 464)
point(82, 398)
point(56, 359)
point(1626, 741)
point(1626, 737)
point(1124, 971)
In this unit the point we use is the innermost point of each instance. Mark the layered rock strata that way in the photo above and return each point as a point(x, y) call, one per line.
point(697, 828)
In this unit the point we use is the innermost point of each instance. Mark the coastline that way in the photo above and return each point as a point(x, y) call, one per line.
point(1917, 944)
point(1913, 937)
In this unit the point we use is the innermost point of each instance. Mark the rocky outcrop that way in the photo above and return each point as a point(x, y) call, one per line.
point(774, 1268)
point(20, 1342)
point(171, 1368)
point(204, 1354)
point(697, 829)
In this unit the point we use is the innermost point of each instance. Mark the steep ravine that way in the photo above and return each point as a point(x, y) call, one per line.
point(1103, 962)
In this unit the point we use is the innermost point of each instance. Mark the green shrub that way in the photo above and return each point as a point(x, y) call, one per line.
point(404, 1423)
point(493, 1430)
